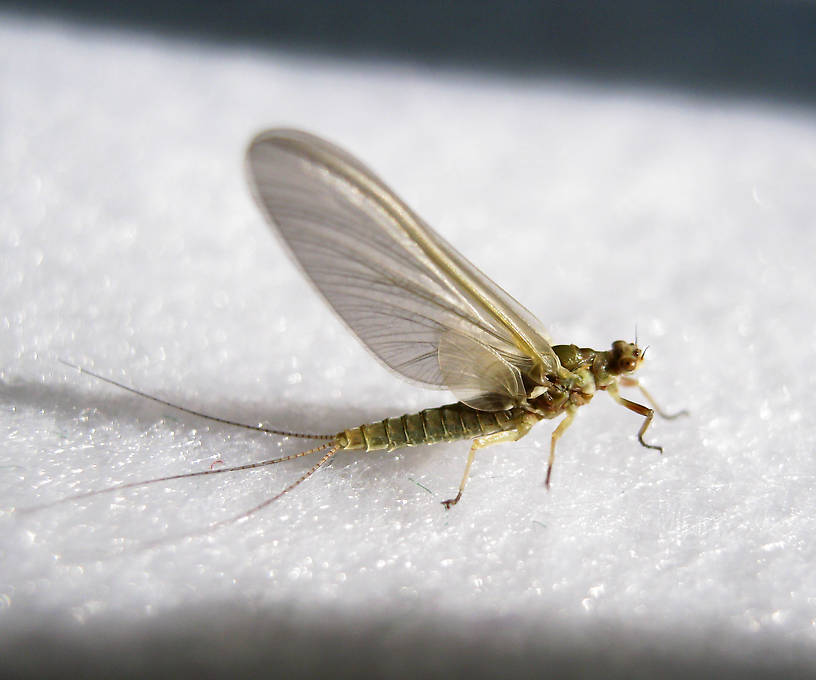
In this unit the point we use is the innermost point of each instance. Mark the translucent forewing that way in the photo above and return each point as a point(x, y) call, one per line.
point(472, 366)
point(395, 282)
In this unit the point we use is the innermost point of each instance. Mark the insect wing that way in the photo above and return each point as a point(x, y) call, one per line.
point(483, 379)
point(395, 282)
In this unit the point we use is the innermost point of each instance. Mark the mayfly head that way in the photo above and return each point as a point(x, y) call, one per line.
point(625, 357)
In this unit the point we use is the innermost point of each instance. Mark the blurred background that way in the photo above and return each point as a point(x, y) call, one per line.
point(752, 48)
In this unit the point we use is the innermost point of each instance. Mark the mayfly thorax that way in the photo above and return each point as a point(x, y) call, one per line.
point(422, 309)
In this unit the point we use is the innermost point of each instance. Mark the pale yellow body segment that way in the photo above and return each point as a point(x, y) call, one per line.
point(449, 423)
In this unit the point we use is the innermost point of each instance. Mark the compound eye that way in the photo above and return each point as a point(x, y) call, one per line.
point(628, 364)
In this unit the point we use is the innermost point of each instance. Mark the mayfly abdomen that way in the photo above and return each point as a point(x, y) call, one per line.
point(443, 424)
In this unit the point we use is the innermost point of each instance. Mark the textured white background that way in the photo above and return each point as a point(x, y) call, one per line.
point(129, 244)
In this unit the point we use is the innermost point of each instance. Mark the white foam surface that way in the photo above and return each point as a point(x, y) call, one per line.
point(129, 244)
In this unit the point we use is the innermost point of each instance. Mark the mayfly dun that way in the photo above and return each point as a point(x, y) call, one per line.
point(423, 310)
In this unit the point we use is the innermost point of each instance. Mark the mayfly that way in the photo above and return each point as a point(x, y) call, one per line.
point(423, 310)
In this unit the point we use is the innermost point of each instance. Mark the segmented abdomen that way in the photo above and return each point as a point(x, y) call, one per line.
point(442, 424)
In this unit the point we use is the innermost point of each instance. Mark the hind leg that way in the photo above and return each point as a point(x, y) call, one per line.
point(522, 427)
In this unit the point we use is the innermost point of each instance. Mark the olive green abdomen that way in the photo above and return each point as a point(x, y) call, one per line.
point(443, 424)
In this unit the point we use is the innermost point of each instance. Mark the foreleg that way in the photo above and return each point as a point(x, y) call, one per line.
point(626, 381)
point(640, 409)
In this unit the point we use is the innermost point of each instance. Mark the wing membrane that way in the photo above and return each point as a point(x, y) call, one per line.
point(483, 379)
point(396, 283)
